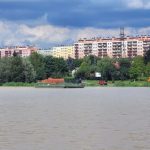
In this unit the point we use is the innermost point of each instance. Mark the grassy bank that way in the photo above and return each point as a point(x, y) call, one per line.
point(91, 83)
point(94, 83)
point(131, 84)
point(17, 84)
point(87, 83)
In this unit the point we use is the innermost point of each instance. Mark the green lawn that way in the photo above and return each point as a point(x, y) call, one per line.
point(18, 84)
point(126, 83)
point(90, 83)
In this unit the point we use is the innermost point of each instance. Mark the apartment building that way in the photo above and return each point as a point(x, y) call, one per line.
point(112, 47)
point(63, 52)
point(45, 52)
point(22, 51)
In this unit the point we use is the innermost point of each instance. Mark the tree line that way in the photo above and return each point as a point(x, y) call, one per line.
point(37, 67)
point(135, 68)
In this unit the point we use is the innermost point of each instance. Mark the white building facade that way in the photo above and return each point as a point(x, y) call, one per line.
point(112, 47)
point(45, 52)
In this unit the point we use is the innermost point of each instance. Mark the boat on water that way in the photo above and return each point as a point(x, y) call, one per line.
point(57, 83)
point(65, 85)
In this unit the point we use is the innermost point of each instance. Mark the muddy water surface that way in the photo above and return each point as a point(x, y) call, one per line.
point(75, 119)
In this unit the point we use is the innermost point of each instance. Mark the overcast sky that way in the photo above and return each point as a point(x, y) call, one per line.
point(51, 22)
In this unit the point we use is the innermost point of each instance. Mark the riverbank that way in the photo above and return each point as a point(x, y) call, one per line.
point(94, 83)
point(17, 84)
point(88, 83)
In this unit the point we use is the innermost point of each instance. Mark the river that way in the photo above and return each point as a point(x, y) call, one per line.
point(75, 119)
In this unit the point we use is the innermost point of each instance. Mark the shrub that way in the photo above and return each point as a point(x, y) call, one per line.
point(70, 79)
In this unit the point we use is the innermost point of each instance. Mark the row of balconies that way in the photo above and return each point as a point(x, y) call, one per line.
point(116, 52)
point(129, 55)
point(102, 49)
point(117, 44)
point(102, 45)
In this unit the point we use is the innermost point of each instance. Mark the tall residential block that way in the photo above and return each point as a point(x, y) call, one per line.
point(112, 47)
point(22, 51)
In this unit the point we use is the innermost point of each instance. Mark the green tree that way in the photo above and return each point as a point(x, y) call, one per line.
point(5, 73)
point(83, 71)
point(16, 69)
point(77, 62)
point(125, 65)
point(37, 61)
point(70, 64)
point(61, 68)
point(147, 56)
point(28, 72)
point(49, 66)
point(137, 68)
point(91, 60)
point(88, 68)
point(147, 69)
point(106, 68)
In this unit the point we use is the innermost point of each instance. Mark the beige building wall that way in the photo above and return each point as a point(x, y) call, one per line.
point(63, 52)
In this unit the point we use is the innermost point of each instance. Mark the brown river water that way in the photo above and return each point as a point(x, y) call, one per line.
point(75, 119)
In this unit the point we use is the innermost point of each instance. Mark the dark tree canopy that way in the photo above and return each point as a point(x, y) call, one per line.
point(16, 69)
point(147, 57)
point(38, 67)
point(37, 61)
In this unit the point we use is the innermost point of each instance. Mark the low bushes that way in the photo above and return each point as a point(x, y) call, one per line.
point(70, 79)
